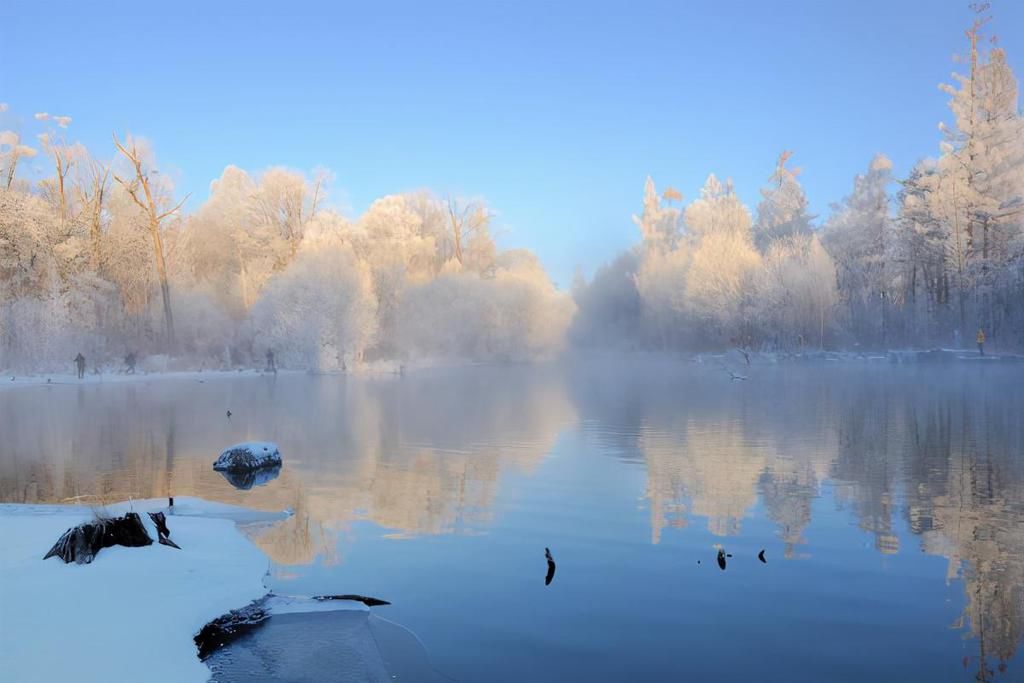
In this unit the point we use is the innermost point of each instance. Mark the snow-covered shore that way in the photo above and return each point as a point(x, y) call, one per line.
point(132, 613)
point(14, 381)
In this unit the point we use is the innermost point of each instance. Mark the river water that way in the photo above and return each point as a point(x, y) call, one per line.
point(889, 501)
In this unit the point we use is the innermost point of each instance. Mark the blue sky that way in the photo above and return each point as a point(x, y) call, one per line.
point(553, 112)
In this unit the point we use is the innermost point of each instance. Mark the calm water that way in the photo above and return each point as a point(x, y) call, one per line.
point(889, 500)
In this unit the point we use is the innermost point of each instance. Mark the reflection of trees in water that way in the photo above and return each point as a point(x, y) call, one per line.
point(787, 487)
point(704, 465)
point(709, 446)
point(421, 454)
point(943, 448)
point(965, 496)
point(866, 462)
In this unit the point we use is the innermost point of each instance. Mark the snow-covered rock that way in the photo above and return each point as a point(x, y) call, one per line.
point(248, 456)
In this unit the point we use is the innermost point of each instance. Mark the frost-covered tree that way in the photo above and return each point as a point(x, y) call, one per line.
point(516, 314)
point(860, 237)
point(609, 306)
point(319, 312)
point(659, 225)
point(11, 152)
point(720, 285)
point(796, 292)
point(718, 212)
point(969, 202)
point(153, 199)
point(783, 209)
point(661, 283)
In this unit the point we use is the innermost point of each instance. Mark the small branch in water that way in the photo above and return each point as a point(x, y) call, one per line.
point(369, 602)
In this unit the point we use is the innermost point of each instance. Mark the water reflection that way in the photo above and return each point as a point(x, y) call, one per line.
point(942, 450)
point(919, 462)
point(246, 479)
point(420, 455)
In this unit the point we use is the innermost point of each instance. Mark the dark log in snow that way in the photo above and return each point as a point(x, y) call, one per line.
point(80, 544)
point(233, 625)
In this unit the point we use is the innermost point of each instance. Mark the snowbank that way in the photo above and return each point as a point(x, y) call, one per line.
point(132, 613)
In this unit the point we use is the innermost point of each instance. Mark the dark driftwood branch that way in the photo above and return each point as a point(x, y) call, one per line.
point(369, 602)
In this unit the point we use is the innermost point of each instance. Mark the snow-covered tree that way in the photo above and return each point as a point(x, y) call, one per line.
point(718, 211)
point(609, 306)
point(320, 311)
point(11, 152)
point(796, 292)
point(783, 208)
point(659, 225)
point(153, 199)
point(860, 237)
point(720, 285)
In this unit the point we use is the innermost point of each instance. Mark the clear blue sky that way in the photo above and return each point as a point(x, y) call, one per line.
point(553, 112)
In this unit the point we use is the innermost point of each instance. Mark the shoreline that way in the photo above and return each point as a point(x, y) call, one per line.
point(381, 369)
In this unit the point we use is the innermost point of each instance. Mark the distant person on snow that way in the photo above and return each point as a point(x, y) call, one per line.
point(981, 341)
point(271, 365)
point(80, 362)
point(129, 363)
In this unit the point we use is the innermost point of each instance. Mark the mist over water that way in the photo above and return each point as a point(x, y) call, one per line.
point(889, 501)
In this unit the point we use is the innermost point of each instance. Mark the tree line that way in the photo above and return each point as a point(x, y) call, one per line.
point(98, 256)
point(925, 260)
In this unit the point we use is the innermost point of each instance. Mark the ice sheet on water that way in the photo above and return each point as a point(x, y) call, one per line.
point(343, 643)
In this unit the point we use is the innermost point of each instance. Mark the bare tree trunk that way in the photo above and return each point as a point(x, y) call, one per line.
point(165, 287)
point(154, 219)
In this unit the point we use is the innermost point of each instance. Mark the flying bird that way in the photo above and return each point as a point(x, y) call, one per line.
point(551, 567)
point(760, 556)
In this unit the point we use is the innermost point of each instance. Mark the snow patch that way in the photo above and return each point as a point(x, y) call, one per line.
point(149, 601)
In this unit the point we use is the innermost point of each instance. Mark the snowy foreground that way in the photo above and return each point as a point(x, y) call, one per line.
point(132, 613)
